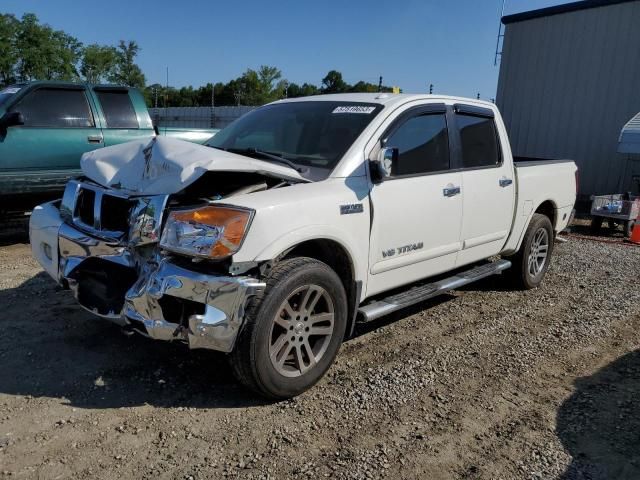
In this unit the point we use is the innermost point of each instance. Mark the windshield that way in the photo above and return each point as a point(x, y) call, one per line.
point(7, 93)
point(314, 134)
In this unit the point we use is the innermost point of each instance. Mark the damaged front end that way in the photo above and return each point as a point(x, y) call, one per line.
point(103, 245)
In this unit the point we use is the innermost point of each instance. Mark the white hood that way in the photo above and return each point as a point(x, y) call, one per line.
point(163, 165)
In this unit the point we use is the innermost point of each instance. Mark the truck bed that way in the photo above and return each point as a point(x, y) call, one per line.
point(533, 161)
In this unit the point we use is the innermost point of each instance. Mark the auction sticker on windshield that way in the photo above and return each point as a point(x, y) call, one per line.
point(354, 109)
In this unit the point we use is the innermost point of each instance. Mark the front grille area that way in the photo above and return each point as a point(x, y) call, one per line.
point(114, 213)
point(111, 214)
point(84, 208)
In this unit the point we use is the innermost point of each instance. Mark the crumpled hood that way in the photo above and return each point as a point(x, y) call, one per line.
point(163, 165)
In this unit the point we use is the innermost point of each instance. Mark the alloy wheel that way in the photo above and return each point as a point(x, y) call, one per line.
point(538, 252)
point(301, 331)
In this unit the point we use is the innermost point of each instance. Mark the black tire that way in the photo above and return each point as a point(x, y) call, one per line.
point(250, 360)
point(596, 224)
point(628, 228)
point(520, 273)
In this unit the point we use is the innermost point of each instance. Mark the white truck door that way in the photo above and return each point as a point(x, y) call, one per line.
point(488, 177)
point(416, 219)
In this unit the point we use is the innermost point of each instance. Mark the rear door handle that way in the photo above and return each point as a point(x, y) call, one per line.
point(505, 182)
point(450, 191)
point(94, 138)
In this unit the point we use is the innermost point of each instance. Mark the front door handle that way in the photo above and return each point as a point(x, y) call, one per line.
point(94, 138)
point(450, 191)
point(505, 182)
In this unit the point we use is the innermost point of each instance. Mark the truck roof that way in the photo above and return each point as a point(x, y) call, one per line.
point(65, 83)
point(382, 98)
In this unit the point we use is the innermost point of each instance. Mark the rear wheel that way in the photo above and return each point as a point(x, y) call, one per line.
point(293, 331)
point(530, 264)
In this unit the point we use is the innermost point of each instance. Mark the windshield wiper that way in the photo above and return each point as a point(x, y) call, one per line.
point(270, 156)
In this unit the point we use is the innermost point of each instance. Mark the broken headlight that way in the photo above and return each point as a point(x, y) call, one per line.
point(211, 232)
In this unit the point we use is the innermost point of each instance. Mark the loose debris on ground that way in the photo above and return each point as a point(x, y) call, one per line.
point(480, 384)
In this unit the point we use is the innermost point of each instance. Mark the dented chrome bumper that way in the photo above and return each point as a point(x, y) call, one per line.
point(162, 299)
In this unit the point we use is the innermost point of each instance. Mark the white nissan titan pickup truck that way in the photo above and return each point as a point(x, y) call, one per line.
point(298, 220)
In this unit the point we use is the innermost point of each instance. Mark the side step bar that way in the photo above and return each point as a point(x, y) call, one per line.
point(423, 292)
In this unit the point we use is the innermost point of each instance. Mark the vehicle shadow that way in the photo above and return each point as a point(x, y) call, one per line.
point(50, 347)
point(599, 425)
point(13, 231)
point(363, 328)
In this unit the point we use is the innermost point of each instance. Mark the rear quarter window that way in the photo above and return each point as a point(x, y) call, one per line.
point(479, 141)
point(118, 109)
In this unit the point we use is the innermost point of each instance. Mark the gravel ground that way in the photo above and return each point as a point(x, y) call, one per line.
point(485, 383)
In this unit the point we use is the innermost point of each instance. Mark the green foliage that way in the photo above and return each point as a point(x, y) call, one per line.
point(30, 50)
point(126, 72)
point(8, 51)
point(98, 63)
point(44, 53)
point(253, 87)
point(333, 83)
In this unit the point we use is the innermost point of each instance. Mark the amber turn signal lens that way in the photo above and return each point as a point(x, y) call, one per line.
point(212, 231)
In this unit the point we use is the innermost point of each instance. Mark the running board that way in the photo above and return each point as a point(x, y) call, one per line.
point(423, 292)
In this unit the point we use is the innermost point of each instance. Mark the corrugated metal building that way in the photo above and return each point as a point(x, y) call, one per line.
point(569, 82)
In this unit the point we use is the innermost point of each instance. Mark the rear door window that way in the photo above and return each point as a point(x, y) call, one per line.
point(479, 141)
point(118, 109)
point(55, 108)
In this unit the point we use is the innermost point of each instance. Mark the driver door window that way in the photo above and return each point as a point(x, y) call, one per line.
point(423, 145)
point(56, 108)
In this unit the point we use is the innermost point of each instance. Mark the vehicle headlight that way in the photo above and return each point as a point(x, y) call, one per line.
point(212, 231)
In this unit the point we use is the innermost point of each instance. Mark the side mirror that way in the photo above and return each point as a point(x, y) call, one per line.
point(383, 165)
point(11, 119)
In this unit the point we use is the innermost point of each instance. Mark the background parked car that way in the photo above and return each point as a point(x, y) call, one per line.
point(45, 127)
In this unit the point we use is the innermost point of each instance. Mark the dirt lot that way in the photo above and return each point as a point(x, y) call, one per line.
point(483, 383)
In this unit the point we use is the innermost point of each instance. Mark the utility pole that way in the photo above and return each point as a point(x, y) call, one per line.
point(380, 84)
point(213, 106)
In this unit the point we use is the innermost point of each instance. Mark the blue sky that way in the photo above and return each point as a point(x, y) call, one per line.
point(411, 43)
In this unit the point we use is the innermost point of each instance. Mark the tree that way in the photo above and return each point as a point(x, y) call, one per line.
point(44, 53)
point(98, 63)
point(126, 71)
point(306, 89)
point(8, 52)
point(333, 83)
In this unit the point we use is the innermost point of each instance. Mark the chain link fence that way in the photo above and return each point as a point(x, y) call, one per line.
point(196, 117)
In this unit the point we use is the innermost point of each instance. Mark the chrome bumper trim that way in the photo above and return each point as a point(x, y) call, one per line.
point(224, 298)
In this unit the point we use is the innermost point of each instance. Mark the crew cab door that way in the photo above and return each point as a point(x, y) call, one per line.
point(416, 219)
point(488, 178)
point(59, 126)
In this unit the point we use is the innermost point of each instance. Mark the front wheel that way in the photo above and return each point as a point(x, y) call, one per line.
point(530, 264)
point(293, 331)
